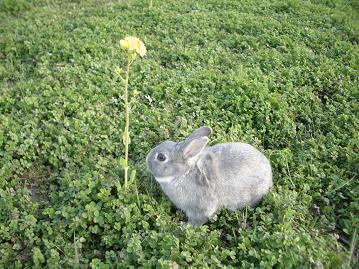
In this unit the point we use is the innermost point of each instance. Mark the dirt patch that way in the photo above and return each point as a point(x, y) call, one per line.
point(38, 182)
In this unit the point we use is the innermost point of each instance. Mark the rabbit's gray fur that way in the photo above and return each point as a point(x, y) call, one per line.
point(199, 180)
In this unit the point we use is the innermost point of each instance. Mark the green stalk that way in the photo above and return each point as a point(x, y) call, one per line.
point(127, 119)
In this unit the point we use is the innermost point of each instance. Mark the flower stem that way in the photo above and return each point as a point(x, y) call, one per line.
point(127, 120)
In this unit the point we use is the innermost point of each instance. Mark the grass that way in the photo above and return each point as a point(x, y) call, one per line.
point(281, 75)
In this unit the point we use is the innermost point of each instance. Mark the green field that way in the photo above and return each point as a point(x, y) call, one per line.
point(281, 75)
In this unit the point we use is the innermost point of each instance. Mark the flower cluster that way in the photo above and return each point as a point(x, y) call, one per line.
point(133, 44)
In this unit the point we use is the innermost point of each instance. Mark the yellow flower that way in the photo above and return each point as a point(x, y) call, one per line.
point(133, 44)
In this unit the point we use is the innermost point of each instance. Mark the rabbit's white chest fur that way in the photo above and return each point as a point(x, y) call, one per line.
point(185, 193)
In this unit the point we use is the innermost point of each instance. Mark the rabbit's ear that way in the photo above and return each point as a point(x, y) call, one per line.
point(192, 147)
point(200, 132)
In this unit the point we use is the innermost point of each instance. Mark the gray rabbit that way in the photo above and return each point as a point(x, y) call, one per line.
point(199, 179)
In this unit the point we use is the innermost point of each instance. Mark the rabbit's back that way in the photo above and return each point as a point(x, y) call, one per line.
point(240, 173)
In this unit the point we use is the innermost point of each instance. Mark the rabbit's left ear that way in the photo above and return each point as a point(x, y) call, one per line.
point(192, 147)
point(200, 132)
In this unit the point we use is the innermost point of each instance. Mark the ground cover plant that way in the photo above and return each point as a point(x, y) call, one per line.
point(281, 75)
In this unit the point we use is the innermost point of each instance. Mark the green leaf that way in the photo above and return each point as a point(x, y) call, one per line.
point(133, 175)
point(122, 162)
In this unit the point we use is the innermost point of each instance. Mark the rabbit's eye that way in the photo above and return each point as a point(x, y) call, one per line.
point(161, 157)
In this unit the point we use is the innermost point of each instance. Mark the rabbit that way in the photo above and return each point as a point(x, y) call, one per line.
point(200, 180)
